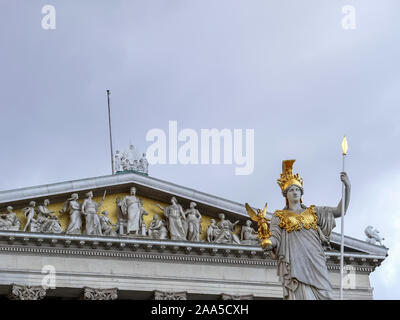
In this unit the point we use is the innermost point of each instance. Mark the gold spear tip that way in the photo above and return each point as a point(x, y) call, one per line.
point(345, 147)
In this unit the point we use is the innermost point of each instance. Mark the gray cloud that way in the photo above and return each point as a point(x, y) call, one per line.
point(286, 69)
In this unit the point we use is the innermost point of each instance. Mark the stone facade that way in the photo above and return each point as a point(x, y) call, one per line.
point(101, 267)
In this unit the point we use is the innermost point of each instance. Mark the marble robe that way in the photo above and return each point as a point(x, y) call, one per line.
point(301, 260)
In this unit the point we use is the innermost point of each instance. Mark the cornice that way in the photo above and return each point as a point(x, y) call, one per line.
point(159, 250)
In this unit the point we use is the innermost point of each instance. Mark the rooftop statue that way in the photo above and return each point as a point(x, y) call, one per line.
point(117, 161)
point(373, 236)
point(143, 164)
point(129, 160)
point(297, 236)
point(9, 221)
point(131, 153)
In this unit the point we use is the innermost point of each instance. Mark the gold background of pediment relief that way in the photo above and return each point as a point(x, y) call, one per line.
point(110, 205)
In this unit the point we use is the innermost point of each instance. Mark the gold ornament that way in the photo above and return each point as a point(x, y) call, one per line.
point(291, 221)
point(264, 233)
point(287, 178)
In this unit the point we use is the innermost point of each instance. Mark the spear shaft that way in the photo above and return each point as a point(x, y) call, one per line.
point(344, 152)
point(109, 129)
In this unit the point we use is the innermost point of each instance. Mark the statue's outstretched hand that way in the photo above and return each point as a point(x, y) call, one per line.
point(345, 179)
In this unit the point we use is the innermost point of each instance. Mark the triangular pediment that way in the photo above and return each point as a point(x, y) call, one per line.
point(152, 191)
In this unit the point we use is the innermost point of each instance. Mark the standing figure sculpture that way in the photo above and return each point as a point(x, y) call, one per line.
point(29, 213)
point(143, 164)
point(132, 208)
point(46, 221)
point(75, 219)
point(89, 210)
point(176, 221)
point(212, 231)
point(298, 234)
point(193, 218)
point(131, 154)
point(9, 221)
point(117, 162)
point(224, 233)
point(120, 228)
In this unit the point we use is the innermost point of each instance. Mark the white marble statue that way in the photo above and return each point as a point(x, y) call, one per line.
point(46, 221)
point(224, 232)
point(125, 164)
point(29, 213)
point(135, 165)
point(122, 223)
point(212, 231)
point(132, 208)
point(117, 161)
point(89, 210)
point(176, 221)
point(75, 218)
point(9, 221)
point(373, 236)
point(143, 164)
point(106, 225)
point(298, 234)
point(131, 154)
point(248, 235)
point(157, 228)
point(193, 219)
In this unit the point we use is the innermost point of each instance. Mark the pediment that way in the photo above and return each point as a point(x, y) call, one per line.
point(152, 191)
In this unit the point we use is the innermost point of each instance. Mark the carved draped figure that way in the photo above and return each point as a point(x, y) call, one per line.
point(47, 223)
point(9, 221)
point(157, 230)
point(176, 226)
point(132, 207)
point(194, 226)
point(301, 260)
point(224, 233)
point(93, 226)
point(75, 219)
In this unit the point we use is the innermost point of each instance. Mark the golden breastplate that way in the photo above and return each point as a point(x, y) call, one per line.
point(290, 220)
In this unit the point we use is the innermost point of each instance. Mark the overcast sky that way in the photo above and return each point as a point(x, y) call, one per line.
point(287, 69)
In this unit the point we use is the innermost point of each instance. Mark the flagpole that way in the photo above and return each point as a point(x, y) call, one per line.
point(109, 129)
point(344, 152)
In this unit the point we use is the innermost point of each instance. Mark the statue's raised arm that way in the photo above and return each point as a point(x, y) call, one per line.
point(337, 212)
